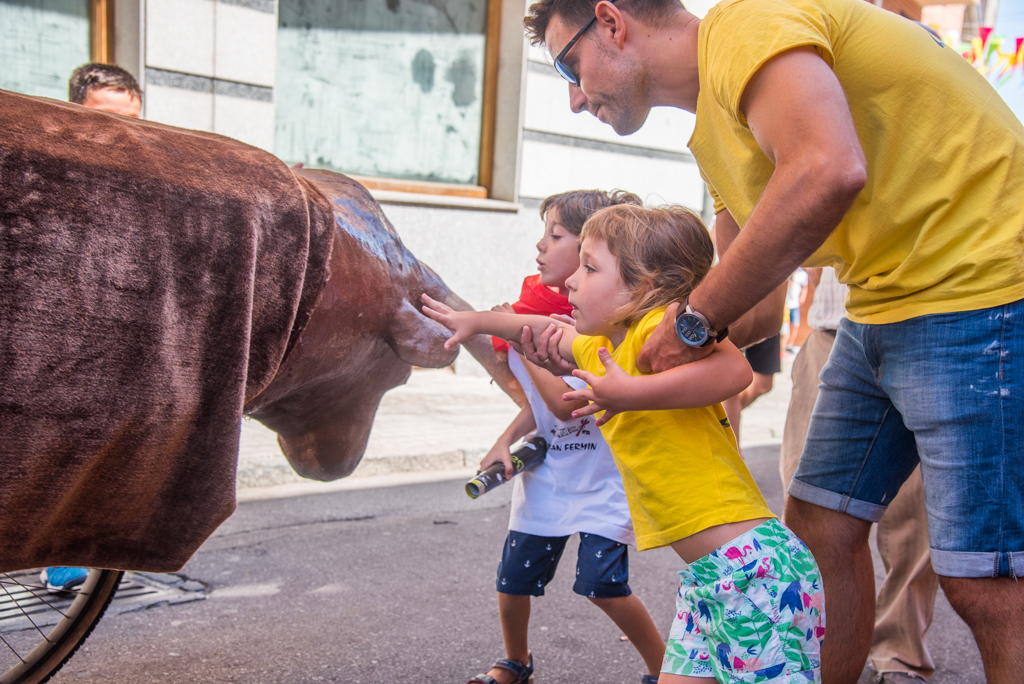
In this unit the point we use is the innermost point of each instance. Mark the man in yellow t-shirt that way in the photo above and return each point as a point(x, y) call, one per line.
point(834, 133)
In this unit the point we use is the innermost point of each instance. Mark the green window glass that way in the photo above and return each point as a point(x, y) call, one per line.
point(41, 43)
point(389, 88)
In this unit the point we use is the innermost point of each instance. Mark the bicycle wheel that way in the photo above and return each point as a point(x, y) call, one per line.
point(39, 631)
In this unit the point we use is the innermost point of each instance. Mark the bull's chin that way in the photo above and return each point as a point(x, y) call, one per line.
point(330, 451)
point(323, 429)
point(322, 461)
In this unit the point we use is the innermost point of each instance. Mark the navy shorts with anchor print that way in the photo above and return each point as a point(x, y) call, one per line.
point(528, 563)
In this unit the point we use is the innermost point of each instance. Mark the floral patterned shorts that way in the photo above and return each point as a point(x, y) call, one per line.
point(750, 611)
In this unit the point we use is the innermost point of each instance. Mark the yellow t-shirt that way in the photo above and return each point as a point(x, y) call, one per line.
point(680, 468)
point(940, 225)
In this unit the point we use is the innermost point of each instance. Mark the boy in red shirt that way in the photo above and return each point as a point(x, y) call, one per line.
point(577, 489)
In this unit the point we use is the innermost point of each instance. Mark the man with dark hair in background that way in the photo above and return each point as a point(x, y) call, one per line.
point(106, 87)
point(110, 89)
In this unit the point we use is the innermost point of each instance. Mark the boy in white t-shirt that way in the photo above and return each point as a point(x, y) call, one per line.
point(577, 488)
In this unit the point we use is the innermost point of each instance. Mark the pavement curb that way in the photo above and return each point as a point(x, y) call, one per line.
point(257, 476)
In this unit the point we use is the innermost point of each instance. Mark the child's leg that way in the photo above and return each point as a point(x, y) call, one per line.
point(602, 575)
point(528, 563)
point(515, 627)
point(666, 678)
point(630, 615)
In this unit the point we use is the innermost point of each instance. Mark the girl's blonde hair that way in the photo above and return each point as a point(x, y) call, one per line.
point(663, 254)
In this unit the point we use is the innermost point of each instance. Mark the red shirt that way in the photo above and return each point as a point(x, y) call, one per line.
point(538, 299)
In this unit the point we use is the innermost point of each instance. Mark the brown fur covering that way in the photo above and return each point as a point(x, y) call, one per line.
point(151, 280)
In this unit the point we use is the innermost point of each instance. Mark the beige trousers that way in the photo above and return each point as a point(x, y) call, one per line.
point(906, 600)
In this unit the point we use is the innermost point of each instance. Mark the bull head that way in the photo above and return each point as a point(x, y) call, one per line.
point(363, 337)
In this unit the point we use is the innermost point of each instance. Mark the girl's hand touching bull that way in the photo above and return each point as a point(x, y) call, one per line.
point(459, 322)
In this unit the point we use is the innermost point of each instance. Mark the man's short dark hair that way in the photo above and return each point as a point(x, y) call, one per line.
point(89, 77)
point(579, 12)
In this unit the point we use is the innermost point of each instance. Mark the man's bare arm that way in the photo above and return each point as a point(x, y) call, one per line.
point(798, 114)
point(765, 318)
point(797, 111)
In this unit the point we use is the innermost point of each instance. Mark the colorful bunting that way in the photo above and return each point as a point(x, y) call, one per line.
point(986, 54)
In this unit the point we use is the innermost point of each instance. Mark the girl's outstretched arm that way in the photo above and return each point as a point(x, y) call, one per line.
point(464, 324)
point(715, 378)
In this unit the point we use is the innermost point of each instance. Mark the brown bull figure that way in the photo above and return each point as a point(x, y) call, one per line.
point(155, 285)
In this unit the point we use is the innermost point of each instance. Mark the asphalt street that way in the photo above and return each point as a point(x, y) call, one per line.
point(392, 584)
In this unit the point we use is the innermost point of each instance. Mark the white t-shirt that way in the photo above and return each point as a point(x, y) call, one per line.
point(577, 488)
point(797, 283)
point(829, 305)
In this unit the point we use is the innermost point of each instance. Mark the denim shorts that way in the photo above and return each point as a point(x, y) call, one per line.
point(528, 563)
point(945, 391)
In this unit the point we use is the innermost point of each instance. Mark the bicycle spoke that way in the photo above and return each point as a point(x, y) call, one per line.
point(41, 597)
point(46, 593)
point(27, 616)
point(18, 582)
point(8, 645)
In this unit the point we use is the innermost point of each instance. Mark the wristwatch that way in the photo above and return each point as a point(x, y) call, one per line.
point(694, 330)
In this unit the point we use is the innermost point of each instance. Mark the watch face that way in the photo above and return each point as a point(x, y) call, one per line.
point(691, 330)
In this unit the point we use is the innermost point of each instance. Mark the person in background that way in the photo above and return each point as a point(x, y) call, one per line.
point(764, 360)
point(110, 89)
point(906, 600)
point(106, 87)
point(794, 297)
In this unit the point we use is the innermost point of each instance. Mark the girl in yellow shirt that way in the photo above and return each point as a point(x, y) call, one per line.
point(750, 606)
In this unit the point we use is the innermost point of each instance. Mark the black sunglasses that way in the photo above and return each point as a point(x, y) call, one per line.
point(563, 70)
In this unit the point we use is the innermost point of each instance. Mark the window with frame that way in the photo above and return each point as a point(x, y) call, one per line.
point(42, 41)
point(388, 89)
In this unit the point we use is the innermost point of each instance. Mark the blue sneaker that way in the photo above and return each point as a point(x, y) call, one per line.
point(63, 579)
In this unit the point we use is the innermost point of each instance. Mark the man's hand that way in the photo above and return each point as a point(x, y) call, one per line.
point(459, 322)
point(545, 352)
point(501, 452)
point(664, 349)
point(609, 393)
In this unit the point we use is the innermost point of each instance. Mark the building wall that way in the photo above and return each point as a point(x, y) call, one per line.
point(210, 65)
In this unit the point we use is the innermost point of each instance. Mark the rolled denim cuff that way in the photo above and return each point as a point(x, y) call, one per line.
point(835, 501)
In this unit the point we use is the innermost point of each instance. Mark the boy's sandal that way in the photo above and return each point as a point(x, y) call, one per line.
point(521, 672)
point(648, 679)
